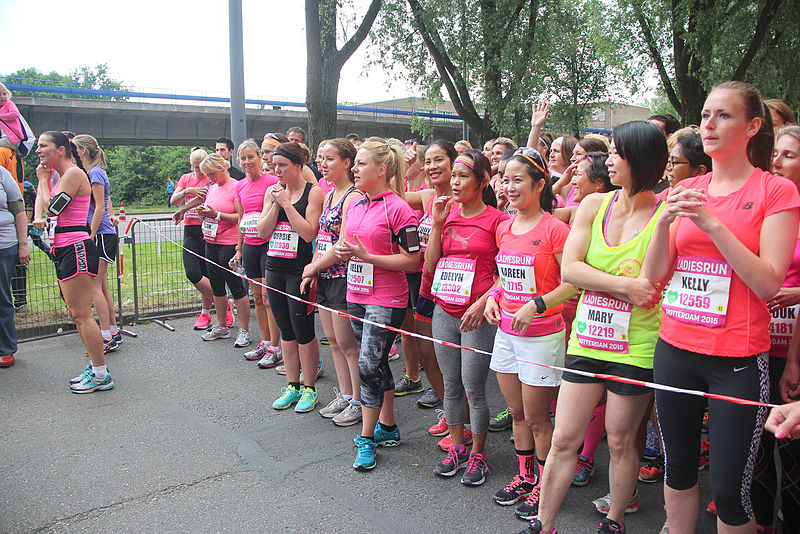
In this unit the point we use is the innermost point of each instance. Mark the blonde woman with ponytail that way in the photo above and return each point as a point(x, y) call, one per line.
point(379, 240)
point(103, 233)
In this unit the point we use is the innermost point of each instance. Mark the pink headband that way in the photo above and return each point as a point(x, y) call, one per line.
point(466, 160)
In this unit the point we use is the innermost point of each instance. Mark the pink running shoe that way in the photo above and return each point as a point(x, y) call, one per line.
point(203, 321)
point(229, 315)
point(440, 429)
point(446, 442)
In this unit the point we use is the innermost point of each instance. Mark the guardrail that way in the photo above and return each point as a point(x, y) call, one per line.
point(150, 282)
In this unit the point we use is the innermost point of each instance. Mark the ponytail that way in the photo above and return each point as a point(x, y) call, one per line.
point(97, 158)
point(762, 144)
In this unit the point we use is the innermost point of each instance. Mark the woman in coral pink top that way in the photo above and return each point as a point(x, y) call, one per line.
point(219, 228)
point(729, 237)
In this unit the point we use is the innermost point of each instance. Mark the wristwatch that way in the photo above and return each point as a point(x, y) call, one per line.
point(541, 307)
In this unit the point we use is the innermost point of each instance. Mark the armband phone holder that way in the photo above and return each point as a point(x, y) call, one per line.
point(58, 203)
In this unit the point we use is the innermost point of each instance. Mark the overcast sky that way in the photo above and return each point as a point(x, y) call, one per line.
point(176, 45)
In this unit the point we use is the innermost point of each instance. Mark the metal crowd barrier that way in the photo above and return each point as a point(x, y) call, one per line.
point(150, 282)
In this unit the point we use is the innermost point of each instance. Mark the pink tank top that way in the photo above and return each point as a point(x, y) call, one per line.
point(74, 214)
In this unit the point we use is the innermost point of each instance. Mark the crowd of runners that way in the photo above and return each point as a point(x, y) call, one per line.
point(664, 254)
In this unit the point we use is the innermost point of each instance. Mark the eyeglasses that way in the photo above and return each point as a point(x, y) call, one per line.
point(531, 154)
point(672, 162)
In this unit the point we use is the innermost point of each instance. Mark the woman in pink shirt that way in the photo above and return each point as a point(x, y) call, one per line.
point(220, 222)
point(380, 241)
point(461, 254)
point(76, 256)
point(251, 250)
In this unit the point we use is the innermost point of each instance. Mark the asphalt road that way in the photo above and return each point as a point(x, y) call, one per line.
point(188, 442)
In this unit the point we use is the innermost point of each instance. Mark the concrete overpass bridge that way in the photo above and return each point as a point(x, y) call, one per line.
point(141, 118)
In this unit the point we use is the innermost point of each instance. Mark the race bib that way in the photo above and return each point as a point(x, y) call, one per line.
point(51, 232)
point(782, 324)
point(360, 276)
point(191, 217)
point(424, 231)
point(699, 290)
point(517, 276)
point(283, 243)
point(452, 281)
point(602, 322)
point(324, 243)
point(210, 227)
point(248, 224)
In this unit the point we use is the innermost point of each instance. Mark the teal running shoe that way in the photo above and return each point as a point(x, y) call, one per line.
point(384, 438)
point(91, 383)
point(289, 396)
point(365, 454)
point(86, 372)
point(308, 399)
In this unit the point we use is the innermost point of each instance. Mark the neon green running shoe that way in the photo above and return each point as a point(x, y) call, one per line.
point(308, 399)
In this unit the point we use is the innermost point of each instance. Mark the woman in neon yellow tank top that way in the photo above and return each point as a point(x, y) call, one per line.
point(616, 325)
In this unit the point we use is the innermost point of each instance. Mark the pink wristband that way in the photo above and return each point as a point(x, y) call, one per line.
point(496, 293)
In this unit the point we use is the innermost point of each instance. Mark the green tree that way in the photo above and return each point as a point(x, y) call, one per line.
point(576, 75)
point(139, 173)
point(325, 62)
point(85, 77)
point(693, 44)
point(480, 51)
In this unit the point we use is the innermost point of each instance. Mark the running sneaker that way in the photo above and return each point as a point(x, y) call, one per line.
point(216, 332)
point(289, 395)
point(530, 508)
point(281, 370)
point(712, 508)
point(446, 442)
point(243, 339)
point(320, 372)
point(86, 372)
point(429, 400)
point(609, 526)
point(229, 315)
point(536, 528)
point(349, 416)
point(365, 454)
point(704, 446)
point(203, 321)
point(386, 438)
point(604, 503)
point(324, 341)
point(308, 400)
point(456, 460)
point(335, 406)
point(653, 471)
point(109, 345)
point(257, 353)
point(501, 421)
point(515, 491)
point(118, 337)
point(393, 354)
point(405, 386)
point(584, 470)
point(652, 446)
point(271, 358)
point(476, 471)
point(91, 383)
point(440, 428)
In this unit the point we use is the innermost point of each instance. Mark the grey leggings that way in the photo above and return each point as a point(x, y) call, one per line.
point(463, 370)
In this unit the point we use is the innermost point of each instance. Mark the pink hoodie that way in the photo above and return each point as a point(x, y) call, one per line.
point(10, 125)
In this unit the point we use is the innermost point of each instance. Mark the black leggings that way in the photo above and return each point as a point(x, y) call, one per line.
point(293, 318)
point(193, 240)
point(765, 476)
point(221, 255)
point(734, 430)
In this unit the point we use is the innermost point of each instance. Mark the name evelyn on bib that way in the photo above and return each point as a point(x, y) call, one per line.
point(699, 291)
point(602, 322)
point(452, 282)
